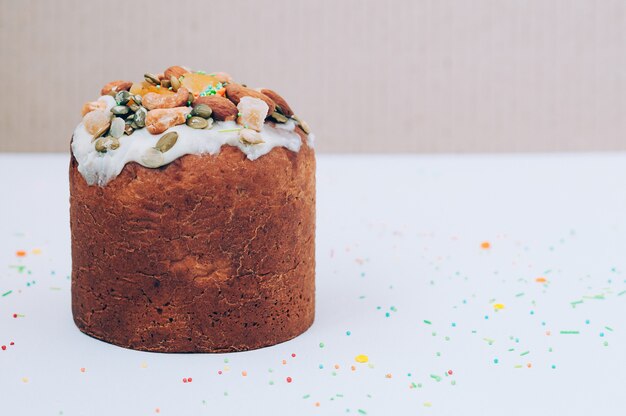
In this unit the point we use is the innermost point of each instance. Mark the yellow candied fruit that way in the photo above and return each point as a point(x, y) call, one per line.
point(144, 87)
point(196, 83)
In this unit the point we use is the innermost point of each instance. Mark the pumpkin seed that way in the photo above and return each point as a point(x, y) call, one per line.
point(122, 97)
point(196, 122)
point(152, 158)
point(152, 79)
point(249, 136)
point(303, 124)
point(175, 83)
point(133, 107)
point(279, 117)
point(120, 110)
point(202, 110)
point(128, 129)
point(117, 128)
point(137, 99)
point(167, 141)
point(140, 117)
point(104, 144)
point(101, 131)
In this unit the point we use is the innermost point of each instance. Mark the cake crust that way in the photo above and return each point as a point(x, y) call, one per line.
point(205, 254)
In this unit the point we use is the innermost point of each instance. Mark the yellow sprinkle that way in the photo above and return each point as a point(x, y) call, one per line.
point(428, 404)
point(361, 358)
point(498, 306)
point(144, 365)
point(25, 379)
point(226, 368)
point(37, 251)
point(541, 280)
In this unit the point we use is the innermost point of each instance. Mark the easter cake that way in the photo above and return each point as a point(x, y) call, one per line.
point(192, 211)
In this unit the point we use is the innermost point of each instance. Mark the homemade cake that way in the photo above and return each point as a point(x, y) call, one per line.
point(192, 209)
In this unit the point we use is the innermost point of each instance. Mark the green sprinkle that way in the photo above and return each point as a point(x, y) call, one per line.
point(229, 130)
point(496, 361)
point(348, 333)
point(489, 340)
point(518, 366)
point(524, 353)
point(520, 294)
point(271, 383)
point(321, 345)
point(55, 288)
point(570, 332)
point(623, 292)
point(306, 396)
point(427, 322)
point(608, 328)
point(363, 412)
point(435, 377)
point(7, 293)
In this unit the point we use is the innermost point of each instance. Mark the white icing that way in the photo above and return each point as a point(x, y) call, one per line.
point(99, 168)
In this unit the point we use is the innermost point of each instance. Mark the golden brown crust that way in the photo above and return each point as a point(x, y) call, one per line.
point(206, 254)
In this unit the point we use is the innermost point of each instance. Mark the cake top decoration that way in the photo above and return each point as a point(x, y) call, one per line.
point(179, 112)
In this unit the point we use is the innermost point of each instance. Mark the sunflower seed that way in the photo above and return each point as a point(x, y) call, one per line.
point(133, 107)
point(167, 141)
point(128, 129)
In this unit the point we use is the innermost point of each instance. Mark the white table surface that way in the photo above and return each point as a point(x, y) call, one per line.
point(399, 265)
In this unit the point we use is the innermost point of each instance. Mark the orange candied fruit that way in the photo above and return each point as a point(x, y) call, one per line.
point(198, 82)
point(144, 87)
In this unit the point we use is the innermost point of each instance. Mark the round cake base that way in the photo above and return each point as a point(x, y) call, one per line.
point(205, 254)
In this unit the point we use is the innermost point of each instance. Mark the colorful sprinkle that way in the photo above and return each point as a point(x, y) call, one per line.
point(361, 358)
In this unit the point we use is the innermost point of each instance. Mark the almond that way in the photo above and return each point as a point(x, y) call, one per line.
point(159, 120)
point(175, 71)
point(114, 87)
point(223, 109)
point(280, 101)
point(235, 92)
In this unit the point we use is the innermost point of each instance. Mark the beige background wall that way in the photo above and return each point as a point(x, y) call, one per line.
point(430, 76)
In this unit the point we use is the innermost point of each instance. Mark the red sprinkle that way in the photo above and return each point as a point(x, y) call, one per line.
point(189, 380)
point(15, 315)
point(450, 372)
point(293, 355)
point(289, 379)
point(12, 343)
point(219, 372)
point(4, 347)
point(184, 380)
